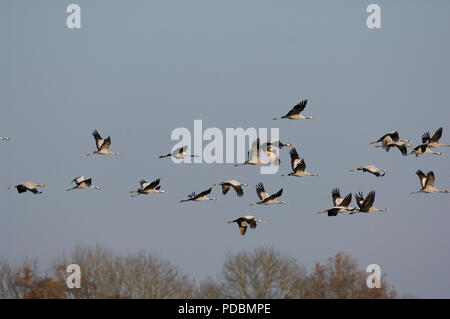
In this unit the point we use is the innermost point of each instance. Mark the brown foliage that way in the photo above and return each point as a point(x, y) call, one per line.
point(261, 273)
point(25, 282)
point(341, 278)
point(265, 273)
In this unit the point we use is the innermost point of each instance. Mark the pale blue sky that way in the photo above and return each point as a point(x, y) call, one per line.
point(136, 70)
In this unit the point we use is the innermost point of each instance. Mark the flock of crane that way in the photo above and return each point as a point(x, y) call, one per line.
point(271, 148)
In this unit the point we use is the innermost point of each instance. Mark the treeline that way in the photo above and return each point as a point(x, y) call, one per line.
point(260, 273)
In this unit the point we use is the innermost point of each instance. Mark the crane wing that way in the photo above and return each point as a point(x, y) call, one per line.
point(182, 149)
point(144, 183)
point(298, 108)
point(106, 143)
point(269, 146)
point(152, 184)
point(273, 196)
point(421, 147)
point(88, 182)
point(258, 150)
point(238, 190)
point(254, 152)
point(225, 188)
point(430, 179)
point(333, 212)
point(261, 192)
point(426, 137)
point(204, 193)
point(437, 135)
point(359, 199)
point(21, 188)
point(301, 165)
point(295, 159)
point(78, 180)
point(402, 149)
point(98, 139)
point(346, 201)
point(422, 178)
point(243, 227)
point(394, 136)
point(252, 223)
point(368, 202)
point(336, 195)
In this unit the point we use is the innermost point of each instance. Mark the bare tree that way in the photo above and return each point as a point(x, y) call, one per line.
point(211, 289)
point(262, 273)
point(7, 288)
point(341, 278)
point(108, 275)
point(265, 273)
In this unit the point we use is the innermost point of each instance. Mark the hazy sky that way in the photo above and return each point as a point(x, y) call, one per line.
point(137, 70)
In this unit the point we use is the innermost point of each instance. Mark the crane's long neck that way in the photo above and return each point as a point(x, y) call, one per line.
point(134, 194)
point(93, 153)
point(281, 202)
